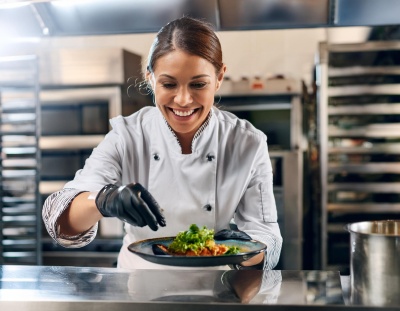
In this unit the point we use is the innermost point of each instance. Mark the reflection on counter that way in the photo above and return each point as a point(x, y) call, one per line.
point(256, 287)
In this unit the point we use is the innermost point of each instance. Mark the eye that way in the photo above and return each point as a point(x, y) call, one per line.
point(168, 85)
point(198, 85)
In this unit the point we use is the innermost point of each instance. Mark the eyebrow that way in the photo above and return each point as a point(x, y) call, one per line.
point(195, 77)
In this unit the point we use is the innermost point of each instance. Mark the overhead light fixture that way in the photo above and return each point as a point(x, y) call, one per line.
point(11, 4)
point(70, 2)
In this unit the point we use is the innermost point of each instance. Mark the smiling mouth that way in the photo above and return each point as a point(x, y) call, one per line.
point(185, 113)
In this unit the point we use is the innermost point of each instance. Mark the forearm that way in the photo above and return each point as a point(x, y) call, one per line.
point(80, 216)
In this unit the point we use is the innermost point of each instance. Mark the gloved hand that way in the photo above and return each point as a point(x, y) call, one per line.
point(131, 203)
point(226, 234)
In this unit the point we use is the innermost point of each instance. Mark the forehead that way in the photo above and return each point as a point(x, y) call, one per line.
point(178, 63)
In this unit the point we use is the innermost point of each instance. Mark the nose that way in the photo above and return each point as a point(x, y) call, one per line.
point(183, 96)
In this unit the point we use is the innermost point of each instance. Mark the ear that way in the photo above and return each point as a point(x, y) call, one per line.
point(149, 79)
point(220, 77)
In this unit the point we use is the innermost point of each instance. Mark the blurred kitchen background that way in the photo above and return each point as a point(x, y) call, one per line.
point(320, 78)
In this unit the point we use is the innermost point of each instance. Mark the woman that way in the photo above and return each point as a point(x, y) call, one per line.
point(202, 165)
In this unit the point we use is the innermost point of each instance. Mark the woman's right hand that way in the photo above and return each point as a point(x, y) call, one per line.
point(132, 204)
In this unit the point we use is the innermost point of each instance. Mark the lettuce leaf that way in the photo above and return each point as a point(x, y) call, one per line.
point(196, 239)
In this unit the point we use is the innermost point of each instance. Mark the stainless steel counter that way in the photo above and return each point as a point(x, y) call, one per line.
point(35, 288)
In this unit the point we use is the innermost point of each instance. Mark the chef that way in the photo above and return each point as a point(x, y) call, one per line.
point(179, 163)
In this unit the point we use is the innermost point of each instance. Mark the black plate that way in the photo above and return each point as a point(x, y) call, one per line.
point(248, 249)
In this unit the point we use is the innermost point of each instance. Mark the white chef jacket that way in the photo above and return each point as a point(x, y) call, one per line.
point(228, 174)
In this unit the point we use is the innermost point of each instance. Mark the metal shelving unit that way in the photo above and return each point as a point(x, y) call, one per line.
point(20, 205)
point(359, 136)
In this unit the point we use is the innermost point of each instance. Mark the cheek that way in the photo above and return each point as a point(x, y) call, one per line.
point(207, 99)
point(161, 97)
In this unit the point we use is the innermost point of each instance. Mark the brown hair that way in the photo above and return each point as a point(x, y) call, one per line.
point(190, 35)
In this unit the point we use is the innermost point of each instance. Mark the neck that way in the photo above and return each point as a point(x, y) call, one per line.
point(185, 140)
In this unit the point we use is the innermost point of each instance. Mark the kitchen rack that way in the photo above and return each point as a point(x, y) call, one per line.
point(359, 136)
point(20, 205)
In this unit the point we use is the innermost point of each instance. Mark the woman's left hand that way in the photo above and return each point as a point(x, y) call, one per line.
point(257, 260)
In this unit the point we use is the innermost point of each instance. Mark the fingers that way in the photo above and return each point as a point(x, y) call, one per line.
point(226, 234)
point(130, 208)
point(154, 207)
point(143, 210)
point(151, 203)
point(137, 208)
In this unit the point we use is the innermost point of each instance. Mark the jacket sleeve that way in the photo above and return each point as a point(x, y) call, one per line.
point(101, 168)
point(53, 207)
point(257, 213)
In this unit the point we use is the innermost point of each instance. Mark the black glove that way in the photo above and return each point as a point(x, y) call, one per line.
point(131, 203)
point(226, 234)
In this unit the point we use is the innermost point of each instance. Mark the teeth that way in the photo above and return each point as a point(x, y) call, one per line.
point(183, 113)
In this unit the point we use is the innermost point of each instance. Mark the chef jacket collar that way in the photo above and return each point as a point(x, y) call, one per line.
point(198, 133)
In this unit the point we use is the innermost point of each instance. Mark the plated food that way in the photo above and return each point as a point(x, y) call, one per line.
point(156, 250)
point(195, 242)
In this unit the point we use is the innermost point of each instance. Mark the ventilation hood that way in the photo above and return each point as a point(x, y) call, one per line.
point(20, 18)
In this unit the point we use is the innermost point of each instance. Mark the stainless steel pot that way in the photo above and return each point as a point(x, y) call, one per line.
point(375, 262)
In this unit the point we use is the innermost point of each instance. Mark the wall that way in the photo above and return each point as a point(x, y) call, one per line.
point(289, 52)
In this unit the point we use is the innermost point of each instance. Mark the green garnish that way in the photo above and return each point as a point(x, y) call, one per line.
point(193, 239)
point(196, 239)
point(233, 250)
